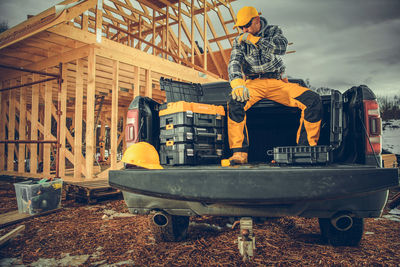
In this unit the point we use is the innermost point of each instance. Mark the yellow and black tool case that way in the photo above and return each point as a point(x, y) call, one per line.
point(191, 114)
point(191, 133)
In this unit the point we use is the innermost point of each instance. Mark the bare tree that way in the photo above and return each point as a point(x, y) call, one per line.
point(3, 26)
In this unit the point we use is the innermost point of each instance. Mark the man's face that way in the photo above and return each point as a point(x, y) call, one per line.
point(255, 26)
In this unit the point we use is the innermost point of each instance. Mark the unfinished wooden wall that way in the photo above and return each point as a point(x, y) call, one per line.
point(111, 51)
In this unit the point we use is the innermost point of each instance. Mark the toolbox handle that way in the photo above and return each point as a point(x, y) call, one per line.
point(205, 134)
point(209, 156)
point(203, 120)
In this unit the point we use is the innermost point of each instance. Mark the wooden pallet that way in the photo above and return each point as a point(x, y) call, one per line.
point(90, 191)
point(14, 217)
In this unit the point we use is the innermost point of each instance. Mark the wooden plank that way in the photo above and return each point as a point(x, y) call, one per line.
point(78, 119)
point(136, 82)
point(205, 34)
point(63, 129)
point(114, 116)
point(148, 88)
point(3, 101)
point(90, 102)
point(166, 40)
point(99, 20)
point(22, 124)
point(48, 103)
point(52, 61)
point(11, 125)
point(122, 53)
point(11, 234)
point(179, 29)
point(41, 22)
point(389, 161)
point(14, 217)
point(192, 30)
point(153, 38)
point(34, 125)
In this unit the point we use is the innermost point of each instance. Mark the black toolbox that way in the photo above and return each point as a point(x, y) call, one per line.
point(189, 134)
point(301, 154)
point(190, 153)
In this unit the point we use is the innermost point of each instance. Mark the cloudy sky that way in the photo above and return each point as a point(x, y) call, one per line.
point(338, 43)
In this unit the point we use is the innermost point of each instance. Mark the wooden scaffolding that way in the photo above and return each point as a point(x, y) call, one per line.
point(106, 53)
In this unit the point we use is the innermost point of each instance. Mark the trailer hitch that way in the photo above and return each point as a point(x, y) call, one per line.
point(246, 239)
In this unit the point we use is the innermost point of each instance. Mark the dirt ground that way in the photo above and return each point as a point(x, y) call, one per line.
point(105, 234)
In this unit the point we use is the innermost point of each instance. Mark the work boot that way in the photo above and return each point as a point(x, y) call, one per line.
point(239, 158)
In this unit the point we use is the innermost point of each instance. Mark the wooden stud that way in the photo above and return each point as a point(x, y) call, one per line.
point(90, 101)
point(136, 82)
point(99, 20)
point(114, 115)
point(78, 119)
point(85, 21)
point(179, 29)
point(48, 103)
point(34, 125)
point(167, 32)
point(22, 124)
point(192, 29)
point(63, 129)
point(11, 126)
point(3, 118)
point(153, 38)
point(205, 34)
point(149, 89)
point(102, 139)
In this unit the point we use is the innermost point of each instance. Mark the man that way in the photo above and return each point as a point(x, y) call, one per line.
point(255, 70)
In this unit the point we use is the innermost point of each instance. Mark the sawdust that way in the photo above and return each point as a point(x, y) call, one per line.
point(78, 232)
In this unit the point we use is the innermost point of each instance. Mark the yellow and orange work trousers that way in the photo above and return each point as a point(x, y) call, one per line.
point(288, 94)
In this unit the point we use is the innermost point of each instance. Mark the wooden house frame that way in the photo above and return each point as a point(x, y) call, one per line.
point(104, 53)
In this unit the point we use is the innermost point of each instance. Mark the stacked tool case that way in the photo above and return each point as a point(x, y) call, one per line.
point(191, 133)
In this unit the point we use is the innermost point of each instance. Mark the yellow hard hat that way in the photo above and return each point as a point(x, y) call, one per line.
point(244, 15)
point(142, 154)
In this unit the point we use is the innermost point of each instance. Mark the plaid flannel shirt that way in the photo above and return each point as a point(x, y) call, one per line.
point(247, 59)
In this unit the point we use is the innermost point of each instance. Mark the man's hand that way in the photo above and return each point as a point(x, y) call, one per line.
point(249, 39)
point(239, 90)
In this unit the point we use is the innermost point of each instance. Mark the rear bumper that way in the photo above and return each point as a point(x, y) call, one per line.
point(247, 185)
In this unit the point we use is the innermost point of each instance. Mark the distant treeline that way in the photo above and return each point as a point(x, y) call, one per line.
point(390, 107)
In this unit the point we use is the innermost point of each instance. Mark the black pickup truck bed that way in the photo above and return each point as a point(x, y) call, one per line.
point(351, 186)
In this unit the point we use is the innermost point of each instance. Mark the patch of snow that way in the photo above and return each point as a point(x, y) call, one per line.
point(395, 218)
point(391, 136)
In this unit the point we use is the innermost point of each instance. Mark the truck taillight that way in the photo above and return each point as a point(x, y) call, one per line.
point(132, 127)
point(373, 126)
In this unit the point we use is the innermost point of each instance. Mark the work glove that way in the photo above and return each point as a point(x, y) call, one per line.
point(249, 39)
point(239, 90)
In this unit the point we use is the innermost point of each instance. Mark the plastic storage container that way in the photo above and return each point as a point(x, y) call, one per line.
point(34, 197)
point(301, 154)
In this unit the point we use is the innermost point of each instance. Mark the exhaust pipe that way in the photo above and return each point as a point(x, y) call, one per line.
point(160, 219)
point(342, 222)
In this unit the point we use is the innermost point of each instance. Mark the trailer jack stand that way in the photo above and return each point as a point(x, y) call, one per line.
point(246, 239)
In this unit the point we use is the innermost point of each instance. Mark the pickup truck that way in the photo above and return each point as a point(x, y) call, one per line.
point(350, 186)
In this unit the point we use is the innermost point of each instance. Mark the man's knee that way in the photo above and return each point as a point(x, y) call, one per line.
point(313, 103)
point(236, 110)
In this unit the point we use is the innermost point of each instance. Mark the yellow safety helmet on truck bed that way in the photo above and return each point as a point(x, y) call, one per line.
point(143, 155)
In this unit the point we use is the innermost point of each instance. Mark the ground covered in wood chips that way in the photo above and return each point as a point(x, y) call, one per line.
point(105, 234)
